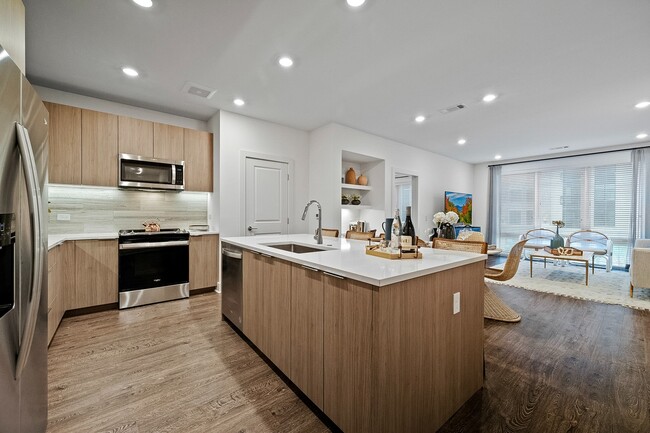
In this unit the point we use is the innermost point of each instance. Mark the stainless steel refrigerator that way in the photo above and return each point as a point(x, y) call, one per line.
point(23, 253)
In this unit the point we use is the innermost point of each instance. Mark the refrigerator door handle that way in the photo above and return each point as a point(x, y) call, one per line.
point(35, 211)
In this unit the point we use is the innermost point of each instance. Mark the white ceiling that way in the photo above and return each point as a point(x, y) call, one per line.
point(567, 72)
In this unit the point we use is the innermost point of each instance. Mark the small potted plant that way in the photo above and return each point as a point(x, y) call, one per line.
point(345, 199)
point(356, 199)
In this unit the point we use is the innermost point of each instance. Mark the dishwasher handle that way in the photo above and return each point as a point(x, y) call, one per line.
point(232, 254)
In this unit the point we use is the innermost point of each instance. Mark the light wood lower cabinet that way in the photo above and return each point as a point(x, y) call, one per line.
point(95, 274)
point(204, 263)
point(60, 277)
point(267, 306)
point(307, 332)
point(374, 359)
point(347, 350)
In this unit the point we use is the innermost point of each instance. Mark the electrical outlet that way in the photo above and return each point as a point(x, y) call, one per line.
point(63, 217)
point(456, 302)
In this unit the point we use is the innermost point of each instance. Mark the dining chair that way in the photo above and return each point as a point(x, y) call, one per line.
point(364, 236)
point(512, 264)
point(493, 307)
point(333, 233)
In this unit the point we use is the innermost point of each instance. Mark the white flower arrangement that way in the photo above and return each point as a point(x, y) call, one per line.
point(445, 218)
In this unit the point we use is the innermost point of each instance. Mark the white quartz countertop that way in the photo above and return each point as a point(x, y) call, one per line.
point(54, 240)
point(347, 258)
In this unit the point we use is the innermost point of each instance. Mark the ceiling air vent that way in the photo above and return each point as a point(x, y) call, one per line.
point(198, 90)
point(451, 109)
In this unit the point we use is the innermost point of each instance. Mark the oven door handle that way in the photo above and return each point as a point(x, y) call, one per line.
point(144, 245)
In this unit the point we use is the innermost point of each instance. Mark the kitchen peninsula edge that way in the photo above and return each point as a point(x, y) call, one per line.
point(373, 343)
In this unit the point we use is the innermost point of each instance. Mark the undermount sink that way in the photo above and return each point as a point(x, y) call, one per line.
point(297, 248)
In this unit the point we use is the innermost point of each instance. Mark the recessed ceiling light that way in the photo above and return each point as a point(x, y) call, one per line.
point(3, 54)
point(355, 3)
point(285, 61)
point(642, 104)
point(420, 119)
point(238, 102)
point(130, 71)
point(642, 136)
point(489, 97)
point(497, 157)
point(462, 141)
point(143, 3)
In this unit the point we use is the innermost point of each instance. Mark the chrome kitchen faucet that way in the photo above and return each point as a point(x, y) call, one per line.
point(319, 234)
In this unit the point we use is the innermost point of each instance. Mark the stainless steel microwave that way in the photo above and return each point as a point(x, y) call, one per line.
point(151, 173)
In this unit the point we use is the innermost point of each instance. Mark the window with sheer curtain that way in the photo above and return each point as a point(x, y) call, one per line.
point(591, 192)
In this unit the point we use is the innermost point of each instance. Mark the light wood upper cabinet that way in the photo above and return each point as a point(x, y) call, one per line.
point(135, 136)
point(99, 155)
point(307, 332)
point(204, 265)
point(64, 164)
point(198, 160)
point(95, 274)
point(168, 142)
point(12, 30)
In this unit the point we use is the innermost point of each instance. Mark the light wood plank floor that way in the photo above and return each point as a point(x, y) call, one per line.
point(568, 366)
point(171, 367)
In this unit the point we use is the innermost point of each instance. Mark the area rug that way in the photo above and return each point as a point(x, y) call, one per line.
point(569, 280)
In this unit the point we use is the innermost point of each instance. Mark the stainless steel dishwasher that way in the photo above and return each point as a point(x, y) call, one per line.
point(232, 285)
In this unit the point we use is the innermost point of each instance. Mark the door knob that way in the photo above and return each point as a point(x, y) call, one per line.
point(250, 228)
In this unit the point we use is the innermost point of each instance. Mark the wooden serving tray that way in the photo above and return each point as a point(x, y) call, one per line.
point(567, 251)
point(371, 250)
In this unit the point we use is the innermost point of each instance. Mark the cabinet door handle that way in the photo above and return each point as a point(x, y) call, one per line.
point(310, 269)
point(251, 228)
point(255, 252)
point(334, 275)
point(266, 255)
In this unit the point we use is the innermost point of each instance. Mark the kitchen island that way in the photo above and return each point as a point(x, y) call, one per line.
point(376, 344)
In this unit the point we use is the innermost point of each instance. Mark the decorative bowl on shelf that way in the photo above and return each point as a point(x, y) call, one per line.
point(356, 202)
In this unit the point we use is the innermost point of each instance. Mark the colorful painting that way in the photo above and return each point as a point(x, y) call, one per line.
point(461, 204)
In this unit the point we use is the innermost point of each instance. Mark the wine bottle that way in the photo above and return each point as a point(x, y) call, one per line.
point(408, 229)
point(396, 239)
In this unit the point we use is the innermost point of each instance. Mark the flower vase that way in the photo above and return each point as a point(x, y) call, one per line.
point(447, 231)
point(557, 241)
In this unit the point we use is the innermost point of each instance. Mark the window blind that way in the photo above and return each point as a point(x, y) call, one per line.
point(591, 192)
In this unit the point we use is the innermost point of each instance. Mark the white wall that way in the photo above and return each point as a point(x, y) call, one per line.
point(240, 135)
point(89, 103)
point(436, 173)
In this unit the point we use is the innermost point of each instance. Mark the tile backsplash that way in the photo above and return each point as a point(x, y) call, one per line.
point(102, 210)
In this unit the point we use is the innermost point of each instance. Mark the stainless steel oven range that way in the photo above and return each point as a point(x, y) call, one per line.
point(153, 266)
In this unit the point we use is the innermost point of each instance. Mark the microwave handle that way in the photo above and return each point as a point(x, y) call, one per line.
point(173, 174)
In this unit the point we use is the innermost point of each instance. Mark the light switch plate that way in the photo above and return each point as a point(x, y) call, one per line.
point(63, 217)
point(456, 302)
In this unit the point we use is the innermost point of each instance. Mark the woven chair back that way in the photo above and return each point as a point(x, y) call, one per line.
point(364, 236)
point(467, 246)
point(512, 263)
point(332, 233)
point(471, 236)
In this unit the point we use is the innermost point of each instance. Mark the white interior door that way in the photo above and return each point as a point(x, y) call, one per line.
point(267, 185)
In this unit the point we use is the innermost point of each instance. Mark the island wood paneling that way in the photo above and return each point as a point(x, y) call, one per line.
point(267, 306)
point(307, 332)
point(426, 361)
point(168, 142)
point(252, 280)
point(198, 160)
point(204, 265)
point(64, 160)
point(347, 341)
point(61, 278)
point(135, 136)
point(95, 274)
point(99, 154)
